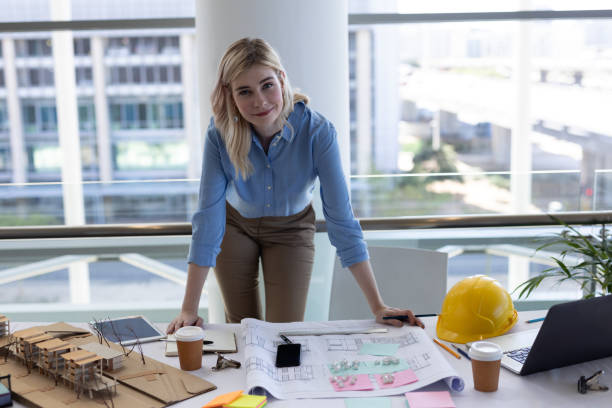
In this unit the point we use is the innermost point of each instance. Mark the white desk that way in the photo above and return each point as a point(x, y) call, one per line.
point(556, 388)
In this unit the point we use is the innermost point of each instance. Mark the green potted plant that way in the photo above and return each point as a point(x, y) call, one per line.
point(593, 271)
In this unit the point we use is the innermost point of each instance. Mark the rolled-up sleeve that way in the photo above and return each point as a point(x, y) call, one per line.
point(208, 222)
point(343, 228)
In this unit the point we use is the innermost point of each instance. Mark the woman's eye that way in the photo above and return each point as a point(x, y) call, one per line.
point(268, 85)
point(244, 92)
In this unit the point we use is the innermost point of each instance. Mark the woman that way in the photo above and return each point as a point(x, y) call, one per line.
point(264, 149)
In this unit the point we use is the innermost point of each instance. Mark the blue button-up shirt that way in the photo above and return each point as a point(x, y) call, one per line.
point(281, 184)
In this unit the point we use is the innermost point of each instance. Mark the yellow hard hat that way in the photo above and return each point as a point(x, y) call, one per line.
point(476, 308)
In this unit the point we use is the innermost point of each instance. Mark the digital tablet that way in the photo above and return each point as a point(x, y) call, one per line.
point(128, 330)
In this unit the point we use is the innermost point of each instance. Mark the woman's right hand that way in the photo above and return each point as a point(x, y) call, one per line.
point(184, 319)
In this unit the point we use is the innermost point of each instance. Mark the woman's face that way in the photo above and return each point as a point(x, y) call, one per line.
point(257, 93)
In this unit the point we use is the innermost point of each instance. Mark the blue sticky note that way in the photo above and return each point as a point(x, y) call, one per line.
point(380, 402)
point(379, 349)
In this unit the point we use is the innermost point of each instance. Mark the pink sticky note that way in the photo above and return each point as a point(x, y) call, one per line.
point(363, 383)
point(400, 378)
point(432, 399)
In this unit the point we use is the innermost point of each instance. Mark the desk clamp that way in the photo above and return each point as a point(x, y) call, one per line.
point(223, 362)
point(591, 383)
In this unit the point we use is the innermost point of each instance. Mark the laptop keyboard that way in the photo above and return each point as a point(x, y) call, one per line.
point(519, 355)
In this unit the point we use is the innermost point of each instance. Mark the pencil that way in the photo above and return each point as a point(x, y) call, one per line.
point(404, 318)
point(445, 347)
point(463, 353)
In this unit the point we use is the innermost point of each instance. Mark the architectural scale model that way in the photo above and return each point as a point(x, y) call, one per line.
point(58, 363)
point(78, 367)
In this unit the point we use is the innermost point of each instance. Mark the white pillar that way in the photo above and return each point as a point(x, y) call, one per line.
point(101, 106)
point(190, 124)
point(312, 40)
point(520, 146)
point(363, 89)
point(518, 271)
point(70, 146)
point(18, 156)
point(310, 36)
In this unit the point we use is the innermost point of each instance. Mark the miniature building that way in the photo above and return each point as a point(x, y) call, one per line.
point(5, 326)
point(83, 370)
point(111, 359)
point(26, 343)
point(49, 357)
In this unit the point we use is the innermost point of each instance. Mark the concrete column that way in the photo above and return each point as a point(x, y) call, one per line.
point(588, 165)
point(363, 100)
point(436, 130)
point(501, 139)
point(70, 146)
point(386, 97)
point(18, 152)
point(520, 147)
point(312, 40)
point(103, 138)
point(518, 271)
point(190, 124)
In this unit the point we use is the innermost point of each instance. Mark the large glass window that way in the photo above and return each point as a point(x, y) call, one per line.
point(39, 116)
point(40, 47)
point(162, 74)
point(149, 45)
point(151, 114)
point(5, 158)
point(132, 155)
point(445, 102)
point(4, 123)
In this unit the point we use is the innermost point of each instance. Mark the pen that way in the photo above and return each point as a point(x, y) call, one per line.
point(282, 336)
point(539, 319)
point(404, 318)
point(463, 353)
point(323, 332)
point(445, 347)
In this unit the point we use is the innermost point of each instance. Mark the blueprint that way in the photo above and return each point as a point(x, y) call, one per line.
point(416, 355)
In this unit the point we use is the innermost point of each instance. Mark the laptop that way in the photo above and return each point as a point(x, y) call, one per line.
point(572, 332)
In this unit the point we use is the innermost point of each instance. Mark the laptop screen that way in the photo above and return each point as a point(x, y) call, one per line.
point(573, 332)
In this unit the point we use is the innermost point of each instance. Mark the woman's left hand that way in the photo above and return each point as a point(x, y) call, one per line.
point(407, 315)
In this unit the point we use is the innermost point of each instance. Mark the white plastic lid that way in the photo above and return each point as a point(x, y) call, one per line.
point(189, 333)
point(485, 351)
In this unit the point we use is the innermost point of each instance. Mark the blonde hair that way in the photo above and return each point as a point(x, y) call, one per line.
point(235, 130)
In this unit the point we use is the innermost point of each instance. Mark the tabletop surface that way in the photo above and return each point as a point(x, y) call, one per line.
point(550, 388)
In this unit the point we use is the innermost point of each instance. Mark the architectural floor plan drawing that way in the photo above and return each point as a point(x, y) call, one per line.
point(416, 355)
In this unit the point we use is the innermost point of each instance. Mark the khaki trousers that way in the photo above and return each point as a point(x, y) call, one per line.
point(285, 246)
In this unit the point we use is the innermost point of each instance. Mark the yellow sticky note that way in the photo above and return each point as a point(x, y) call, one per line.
point(247, 401)
point(224, 399)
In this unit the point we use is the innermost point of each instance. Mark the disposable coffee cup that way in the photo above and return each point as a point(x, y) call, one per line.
point(189, 341)
point(486, 362)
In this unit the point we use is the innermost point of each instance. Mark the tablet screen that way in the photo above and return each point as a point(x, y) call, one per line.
point(128, 330)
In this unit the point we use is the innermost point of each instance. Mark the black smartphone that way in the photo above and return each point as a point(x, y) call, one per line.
point(288, 355)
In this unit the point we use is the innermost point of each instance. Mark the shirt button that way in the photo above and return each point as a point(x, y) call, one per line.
point(268, 205)
point(269, 187)
point(267, 165)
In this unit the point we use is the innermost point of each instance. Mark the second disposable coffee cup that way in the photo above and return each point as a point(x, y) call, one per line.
point(189, 341)
point(486, 362)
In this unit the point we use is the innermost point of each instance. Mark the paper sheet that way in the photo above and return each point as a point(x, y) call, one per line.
point(312, 378)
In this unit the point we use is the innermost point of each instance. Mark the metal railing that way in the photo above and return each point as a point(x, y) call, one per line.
point(353, 19)
point(367, 224)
